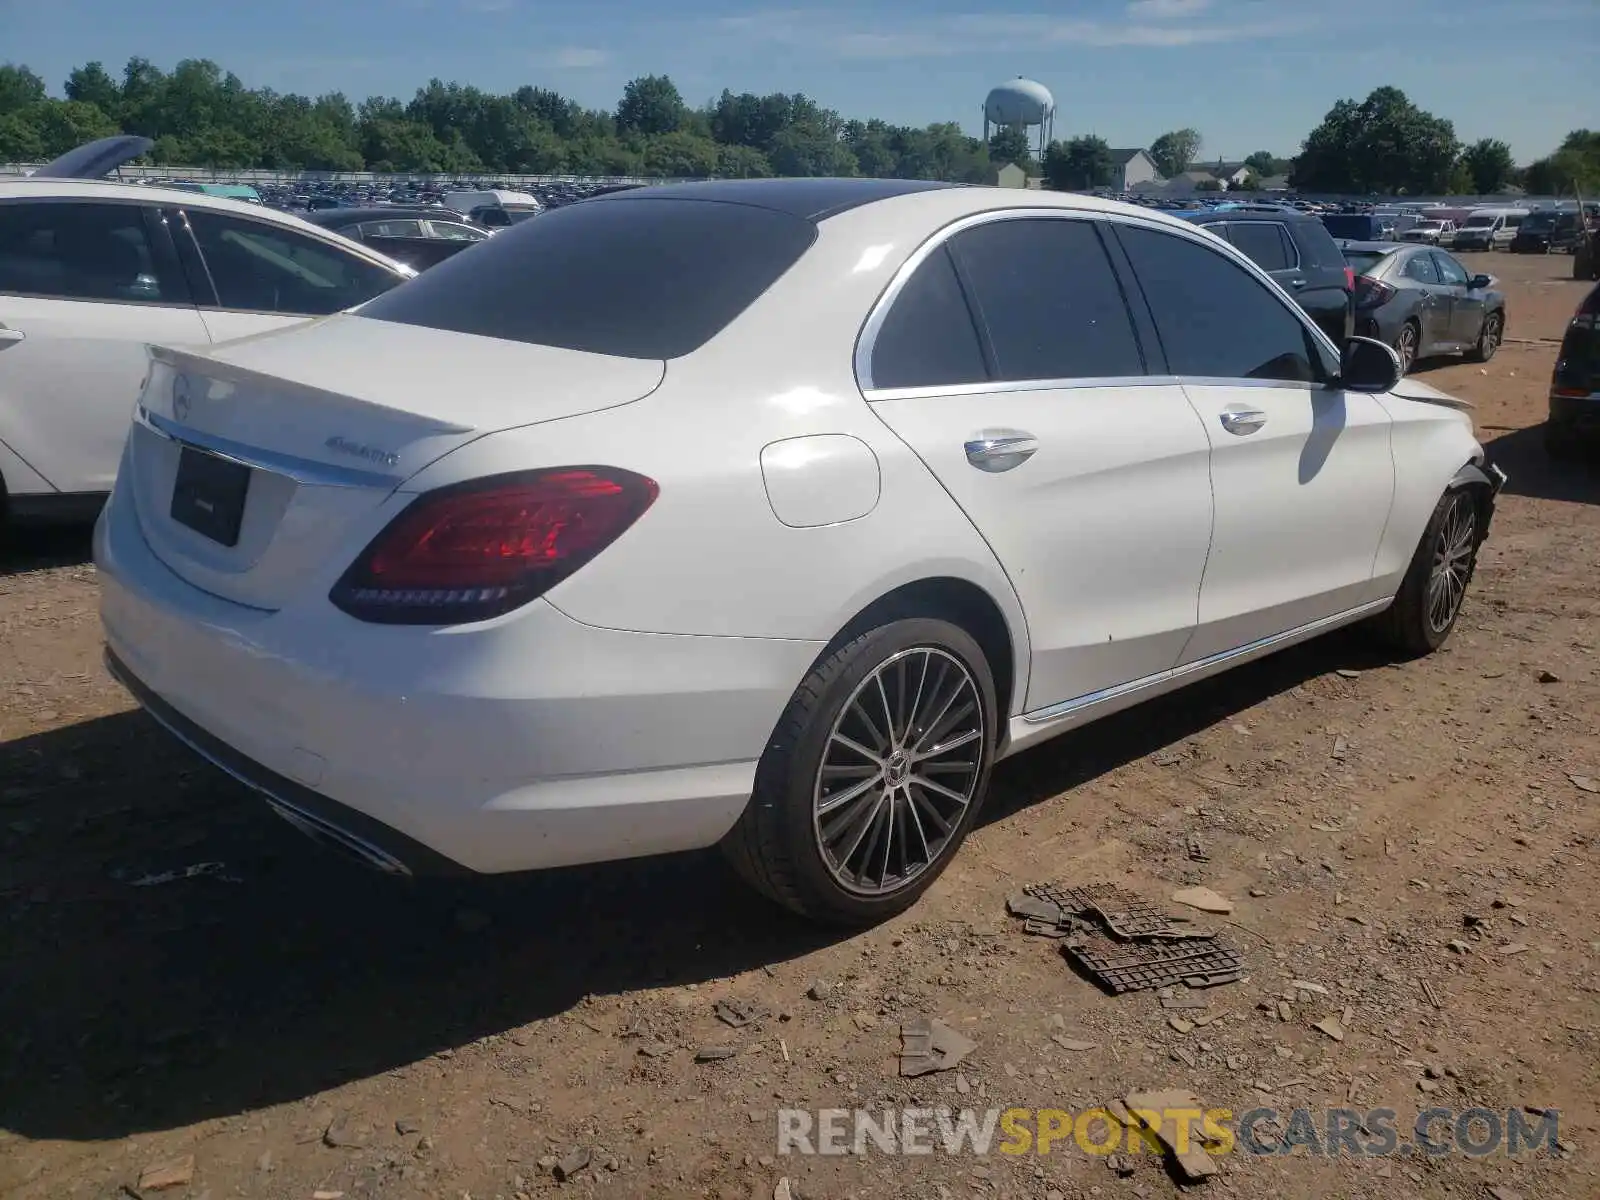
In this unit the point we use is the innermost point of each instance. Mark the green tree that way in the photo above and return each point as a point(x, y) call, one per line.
point(1251, 183)
point(742, 162)
point(650, 105)
point(63, 124)
point(91, 85)
point(1078, 164)
point(1009, 144)
point(1174, 152)
point(1263, 163)
point(1490, 164)
point(19, 88)
point(1383, 144)
point(680, 155)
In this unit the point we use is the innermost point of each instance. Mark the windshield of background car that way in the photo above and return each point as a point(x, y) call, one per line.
point(1343, 225)
point(1540, 221)
point(635, 278)
point(1363, 262)
point(1478, 222)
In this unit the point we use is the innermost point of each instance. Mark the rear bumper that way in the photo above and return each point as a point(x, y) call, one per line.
point(527, 742)
point(1578, 416)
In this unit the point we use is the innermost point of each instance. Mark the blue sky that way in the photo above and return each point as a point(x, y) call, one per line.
point(1249, 74)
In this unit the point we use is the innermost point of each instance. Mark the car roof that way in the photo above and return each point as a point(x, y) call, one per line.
point(333, 218)
point(1239, 212)
point(809, 199)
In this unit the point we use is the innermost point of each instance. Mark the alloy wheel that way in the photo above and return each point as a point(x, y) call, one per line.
point(1406, 347)
point(1489, 339)
point(899, 771)
point(1453, 552)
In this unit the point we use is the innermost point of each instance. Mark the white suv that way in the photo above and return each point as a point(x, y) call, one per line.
point(91, 271)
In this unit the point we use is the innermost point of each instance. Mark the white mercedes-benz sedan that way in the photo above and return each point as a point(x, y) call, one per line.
point(767, 514)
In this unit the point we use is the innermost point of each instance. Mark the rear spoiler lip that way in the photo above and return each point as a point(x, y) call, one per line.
point(187, 362)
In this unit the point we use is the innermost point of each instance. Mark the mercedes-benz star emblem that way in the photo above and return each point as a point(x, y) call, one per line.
point(181, 401)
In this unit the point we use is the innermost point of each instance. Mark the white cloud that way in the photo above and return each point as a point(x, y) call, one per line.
point(938, 37)
point(1162, 10)
point(578, 58)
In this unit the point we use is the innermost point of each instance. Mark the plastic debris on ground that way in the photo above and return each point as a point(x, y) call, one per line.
point(1124, 942)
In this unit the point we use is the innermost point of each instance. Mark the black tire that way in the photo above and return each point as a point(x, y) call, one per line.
point(777, 846)
point(1411, 624)
point(1406, 344)
point(1489, 337)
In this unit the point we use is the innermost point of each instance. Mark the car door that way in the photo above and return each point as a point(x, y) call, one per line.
point(1301, 474)
point(1466, 305)
point(1010, 363)
point(84, 285)
point(253, 276)
point(1420, 274)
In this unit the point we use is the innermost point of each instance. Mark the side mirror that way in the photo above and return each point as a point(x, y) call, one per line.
point(1367, 365)
point(1478, 282)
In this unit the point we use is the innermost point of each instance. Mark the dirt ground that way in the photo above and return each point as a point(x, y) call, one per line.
point(1408, 838)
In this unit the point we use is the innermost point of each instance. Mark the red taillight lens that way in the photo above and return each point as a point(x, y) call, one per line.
point(1369, 293)
point(476, 550)
point(1349, 279)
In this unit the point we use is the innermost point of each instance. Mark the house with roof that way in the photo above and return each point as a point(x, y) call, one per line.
point(1130, 168)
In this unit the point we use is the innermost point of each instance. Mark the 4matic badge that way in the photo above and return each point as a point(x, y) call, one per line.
point(372, 454)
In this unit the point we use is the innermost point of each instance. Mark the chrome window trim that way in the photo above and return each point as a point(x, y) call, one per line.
point(867, 338)
point(291, 466)
point(1005, 386)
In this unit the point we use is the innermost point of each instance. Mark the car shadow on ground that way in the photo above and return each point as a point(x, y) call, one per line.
point(37, 549)
point(1531, 472)
point(134, 1001)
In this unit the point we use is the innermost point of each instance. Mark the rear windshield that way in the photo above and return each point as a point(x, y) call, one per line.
point(1363, 261)
point(631, 277)
point(1345, 226)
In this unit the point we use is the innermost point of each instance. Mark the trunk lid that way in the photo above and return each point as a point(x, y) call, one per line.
point(325, 421)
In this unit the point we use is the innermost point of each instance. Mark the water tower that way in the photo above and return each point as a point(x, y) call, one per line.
point(1021, 104)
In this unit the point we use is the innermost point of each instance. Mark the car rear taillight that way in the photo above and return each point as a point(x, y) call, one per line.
point(480, 549)
point(1369, 293)
point(1349, 279)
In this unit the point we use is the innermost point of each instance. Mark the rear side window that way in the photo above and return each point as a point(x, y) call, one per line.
point(1266, 243)
point(928, 339)
point(261, 267)
point(68, 251)
point(1215, 319)
point(653, 278)
point(1048, 299)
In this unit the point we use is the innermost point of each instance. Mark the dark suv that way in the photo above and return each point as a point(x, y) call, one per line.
point(1574, 422)
point(1294, 248)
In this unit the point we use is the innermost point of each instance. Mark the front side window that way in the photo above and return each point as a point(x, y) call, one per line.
point(392, 229)
point(260, 267)
point(1215, 319)
point(454, 231)
point(71, 251)
point(1421, 268)
point(1047, 296)
point(1450, 271)
point(1266, 243)
point(928, 338)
